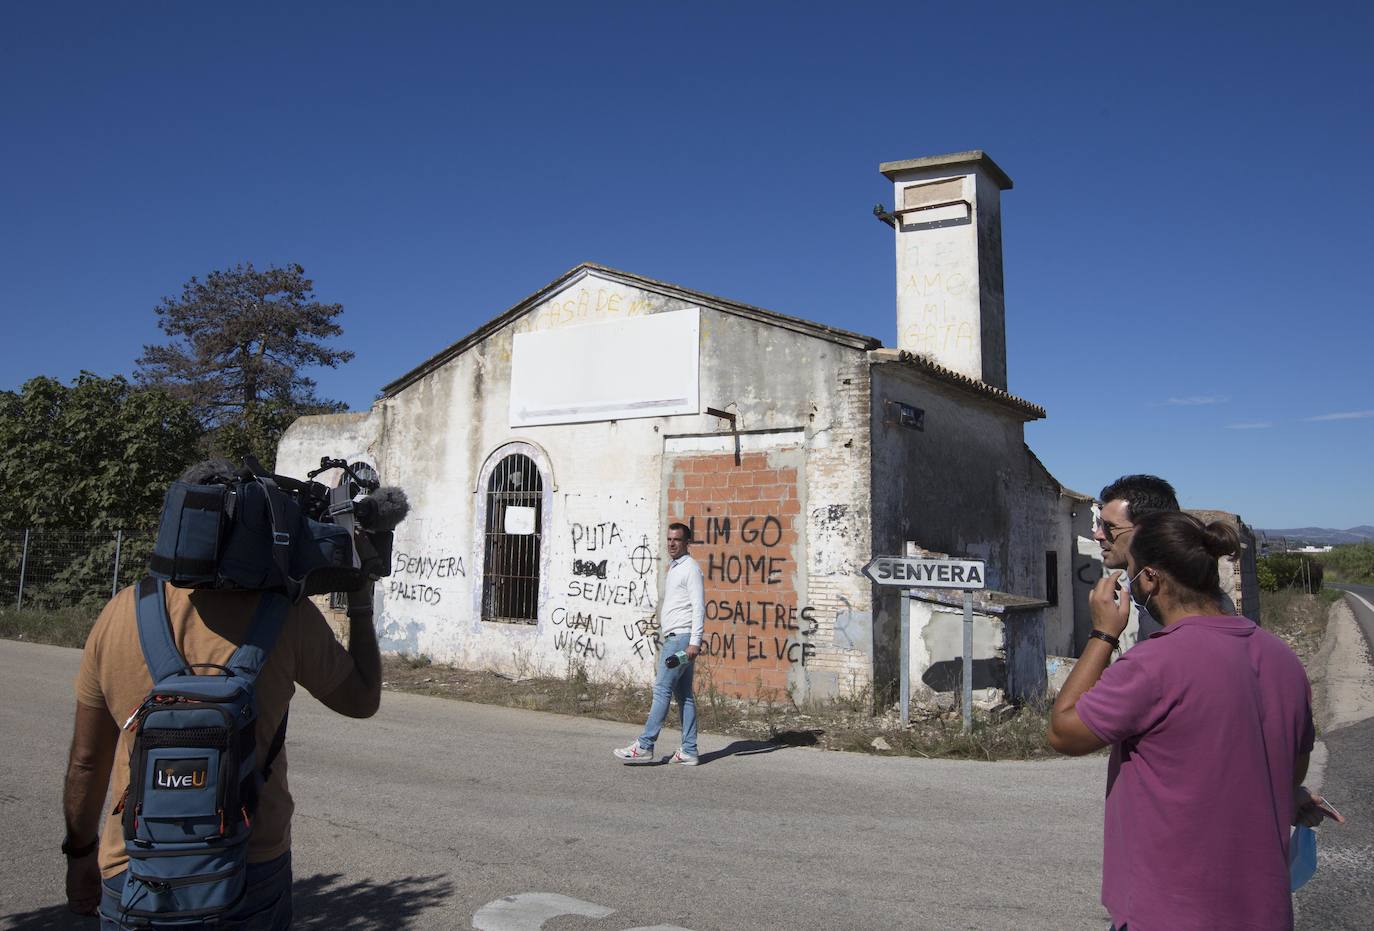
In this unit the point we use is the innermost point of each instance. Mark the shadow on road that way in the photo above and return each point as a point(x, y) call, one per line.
point(329, 900)
point(325, 900)
point(779, 741)
point(52, 918)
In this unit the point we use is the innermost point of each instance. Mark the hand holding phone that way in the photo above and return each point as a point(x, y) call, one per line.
point(1327, 809)
point(1310, 809)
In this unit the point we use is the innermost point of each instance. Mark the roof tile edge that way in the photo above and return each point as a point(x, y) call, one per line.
point(903, 357)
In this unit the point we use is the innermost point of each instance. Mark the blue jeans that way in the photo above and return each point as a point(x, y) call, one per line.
point(670, 683)
point(266, 906)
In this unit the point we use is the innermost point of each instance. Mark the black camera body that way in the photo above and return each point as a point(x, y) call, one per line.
point(261, 532)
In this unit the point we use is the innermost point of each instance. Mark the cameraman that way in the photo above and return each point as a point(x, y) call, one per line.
point(207, 626)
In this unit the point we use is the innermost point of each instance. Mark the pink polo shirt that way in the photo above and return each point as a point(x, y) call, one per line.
point(1205, 718)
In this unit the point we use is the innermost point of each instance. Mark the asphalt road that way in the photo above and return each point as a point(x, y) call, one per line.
point(1341, 894)
point(433, 812)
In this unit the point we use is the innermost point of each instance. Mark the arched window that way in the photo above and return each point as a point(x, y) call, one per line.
point(515, 522)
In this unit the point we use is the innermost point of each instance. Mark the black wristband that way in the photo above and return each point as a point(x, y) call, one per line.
point(1103, 635)
point(76, 853)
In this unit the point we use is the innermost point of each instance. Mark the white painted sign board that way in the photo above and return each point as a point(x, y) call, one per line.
point(634, 367)
point(913, 572)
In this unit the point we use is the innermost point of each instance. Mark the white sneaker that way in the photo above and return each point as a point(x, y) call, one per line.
point(634, 753)
point(683, 757)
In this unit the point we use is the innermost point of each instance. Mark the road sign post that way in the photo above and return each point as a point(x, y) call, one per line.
point(905, 664)
point(968, 661)
point(910, 572)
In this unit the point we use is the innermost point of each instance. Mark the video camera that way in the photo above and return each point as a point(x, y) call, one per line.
point(249, 529)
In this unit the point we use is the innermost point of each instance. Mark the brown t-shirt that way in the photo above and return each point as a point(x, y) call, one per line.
point(207, 626)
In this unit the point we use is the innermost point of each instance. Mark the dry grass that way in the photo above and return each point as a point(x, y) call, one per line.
point(63, 627)
point(838, 724)
point(1298, 618)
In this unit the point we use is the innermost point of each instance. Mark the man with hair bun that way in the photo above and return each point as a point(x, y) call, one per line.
point(1210, 725)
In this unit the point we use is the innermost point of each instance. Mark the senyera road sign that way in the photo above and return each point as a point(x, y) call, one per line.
point(914, 572)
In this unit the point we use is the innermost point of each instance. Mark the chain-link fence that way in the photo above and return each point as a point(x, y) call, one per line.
point(42, 568)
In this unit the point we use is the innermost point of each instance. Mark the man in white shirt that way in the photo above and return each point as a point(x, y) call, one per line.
point(682, 622)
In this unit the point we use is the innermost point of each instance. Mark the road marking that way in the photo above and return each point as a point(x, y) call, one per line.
point(529, 910)
point(1361, 598)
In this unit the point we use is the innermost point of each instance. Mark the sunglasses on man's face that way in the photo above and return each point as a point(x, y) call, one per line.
point(1111, 531)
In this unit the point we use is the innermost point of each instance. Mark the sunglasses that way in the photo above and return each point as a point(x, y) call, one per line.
point(1111, 531)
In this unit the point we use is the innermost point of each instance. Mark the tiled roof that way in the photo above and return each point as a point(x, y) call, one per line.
point(902, 357)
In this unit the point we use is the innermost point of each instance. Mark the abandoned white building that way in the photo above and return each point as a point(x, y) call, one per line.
point(546, 452)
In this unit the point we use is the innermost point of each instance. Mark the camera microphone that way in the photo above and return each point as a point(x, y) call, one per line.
point(382, 510)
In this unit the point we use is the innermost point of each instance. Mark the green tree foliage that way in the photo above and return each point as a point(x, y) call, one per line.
point(1280, 571)
point(1351, 562)
point(96, 456)
point(240, 341)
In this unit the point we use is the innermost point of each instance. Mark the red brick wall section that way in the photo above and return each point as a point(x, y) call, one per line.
point(745, 520)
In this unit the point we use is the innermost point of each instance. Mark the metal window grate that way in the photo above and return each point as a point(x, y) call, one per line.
point(510, 576)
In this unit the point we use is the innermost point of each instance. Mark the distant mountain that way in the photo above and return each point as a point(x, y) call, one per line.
point(1320, 536)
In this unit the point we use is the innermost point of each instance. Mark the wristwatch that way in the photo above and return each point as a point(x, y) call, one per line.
point(76, 853)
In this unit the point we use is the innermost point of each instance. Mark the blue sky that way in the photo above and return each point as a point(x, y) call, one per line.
point(1182, 246)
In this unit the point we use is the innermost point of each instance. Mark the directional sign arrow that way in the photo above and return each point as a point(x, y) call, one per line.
point(912, 572)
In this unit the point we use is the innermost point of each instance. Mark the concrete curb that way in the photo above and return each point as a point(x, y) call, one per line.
point(1342, 682)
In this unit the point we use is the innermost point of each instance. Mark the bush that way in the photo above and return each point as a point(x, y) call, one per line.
point(1352, 562)
point(1281, 571)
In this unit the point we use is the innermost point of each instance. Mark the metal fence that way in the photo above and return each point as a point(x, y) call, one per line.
point(43, 568)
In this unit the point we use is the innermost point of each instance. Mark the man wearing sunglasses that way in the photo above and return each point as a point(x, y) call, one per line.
point(1124, 502)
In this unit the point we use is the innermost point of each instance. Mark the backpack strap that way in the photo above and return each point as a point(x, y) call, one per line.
point(281, 535)
point(249, 658)
point(268, 619)
point(155, 632)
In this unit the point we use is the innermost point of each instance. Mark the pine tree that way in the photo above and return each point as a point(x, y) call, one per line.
point(241, 340)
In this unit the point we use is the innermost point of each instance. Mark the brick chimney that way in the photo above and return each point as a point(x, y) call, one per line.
point(948, 225)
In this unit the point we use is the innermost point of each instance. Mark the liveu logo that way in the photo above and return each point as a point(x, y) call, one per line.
point(181, 774)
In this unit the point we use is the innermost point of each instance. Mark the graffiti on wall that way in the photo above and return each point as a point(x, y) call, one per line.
point(744, 555)
point(420, 577)
point(747, 529)
point(942, 292)
point(643, 635)
point(608, 592)
point(619, 581)
point(584, 304)
point(579, 633)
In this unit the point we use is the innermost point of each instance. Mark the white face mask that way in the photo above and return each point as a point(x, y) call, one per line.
point(1142, 607)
